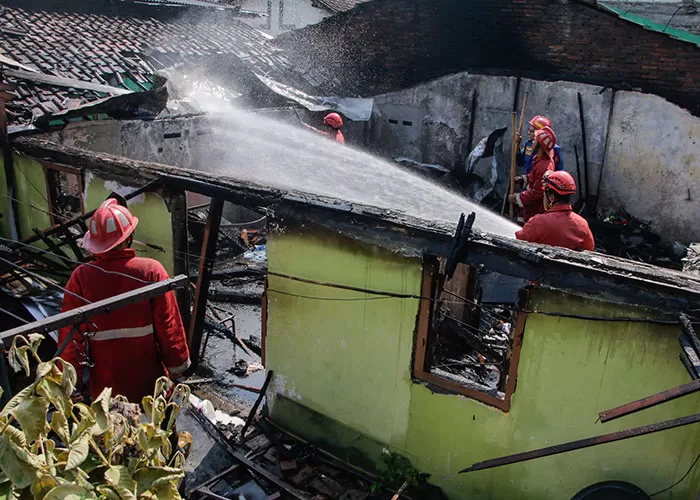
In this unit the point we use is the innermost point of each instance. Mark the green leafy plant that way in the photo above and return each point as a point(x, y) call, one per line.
point(398, 472)
point(52, 448)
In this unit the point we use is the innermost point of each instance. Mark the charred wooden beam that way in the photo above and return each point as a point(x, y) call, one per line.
point(206, 265)
point(81, 314)
point(584, 443)
point(649, 401)
point(254, 409)
point(81, 220)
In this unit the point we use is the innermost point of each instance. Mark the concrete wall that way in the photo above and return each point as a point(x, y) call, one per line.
point(280, 16)
point(652, 164)
point(641, 142)
point(343, 377)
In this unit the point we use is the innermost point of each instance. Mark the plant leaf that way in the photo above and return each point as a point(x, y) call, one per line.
point(118, 477)
point(78, 451)
point(15, 467)
point(166, 491)
point(85, 423)
point(100, 408)
point(108, 492)
point(53, 391)
point(69, 491)
point(16, 435)
point(70, 377)
point(16, 400)
point(148, 478)
point(42, 484)
point(19, 356)
point(31, 415)
point(59, 425)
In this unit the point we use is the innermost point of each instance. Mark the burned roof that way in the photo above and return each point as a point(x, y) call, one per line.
point(113, 47)
point(580, 272)
point(338, 5)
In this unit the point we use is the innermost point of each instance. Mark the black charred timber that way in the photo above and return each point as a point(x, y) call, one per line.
point(585, 147)
point(49, 243)
point(70, 239)
point(254, 409)
point(690, 332)
point(649, 401)
point(206, 265)
point(220, 437)
point(458, 253)
point(472, 121)
point(80, 220)
point(234, 298)
point(584, 443)
point(581, 191)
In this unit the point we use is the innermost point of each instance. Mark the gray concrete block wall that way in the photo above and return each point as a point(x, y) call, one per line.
point(652, 164)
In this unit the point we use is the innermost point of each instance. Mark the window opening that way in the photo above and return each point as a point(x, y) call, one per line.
point(65, 188)
point(470, 332)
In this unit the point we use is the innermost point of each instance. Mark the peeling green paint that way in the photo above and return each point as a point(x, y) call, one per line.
point(343, 375)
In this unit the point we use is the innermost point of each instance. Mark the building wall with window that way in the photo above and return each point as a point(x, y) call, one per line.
point(343, 365)
point(36, 207)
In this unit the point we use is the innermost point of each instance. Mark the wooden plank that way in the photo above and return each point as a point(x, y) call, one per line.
point(49, 243)
point(429, 272)
point(254, 409)
point(206, 265)
point(83, 313)
point(220, 437)
point(515, 358)
point(649, 401)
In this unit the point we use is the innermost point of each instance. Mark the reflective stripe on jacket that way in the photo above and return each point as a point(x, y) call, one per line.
point(131, 346)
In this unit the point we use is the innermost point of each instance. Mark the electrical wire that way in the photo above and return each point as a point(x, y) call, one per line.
point(681, 479)
point(13, 315)
point(43, 280)
point(88, 264)
point(339, 299)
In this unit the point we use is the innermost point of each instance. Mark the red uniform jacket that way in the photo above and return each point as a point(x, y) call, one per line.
point(559, 226)
point(339, 137)
point(530, 200)
point(133, 345)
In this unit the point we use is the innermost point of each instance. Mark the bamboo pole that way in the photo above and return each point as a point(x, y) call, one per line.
point(512, 163)
point(515, 149)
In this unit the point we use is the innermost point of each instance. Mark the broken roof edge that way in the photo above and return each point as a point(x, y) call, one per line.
point(259, 196)
point(645, 23)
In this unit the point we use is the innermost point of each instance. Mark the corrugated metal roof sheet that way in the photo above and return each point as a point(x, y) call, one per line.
point(339, 5)
point(652, 25)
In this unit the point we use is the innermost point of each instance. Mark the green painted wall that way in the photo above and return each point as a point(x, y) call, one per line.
point(351, 361)
point(155, 221)
point(31, 195)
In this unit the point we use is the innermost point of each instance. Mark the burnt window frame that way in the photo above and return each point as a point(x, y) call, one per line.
point(429, 282)
point(49, 168)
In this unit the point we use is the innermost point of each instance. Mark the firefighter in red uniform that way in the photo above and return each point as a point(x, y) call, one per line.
point(530, 200)
point(333, 123)
point(130, 348)
point(559, 226)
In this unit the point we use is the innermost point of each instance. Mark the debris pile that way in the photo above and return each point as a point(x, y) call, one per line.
point(618, 233)
point(691, 263)
point(474, 356)
point(272, 463)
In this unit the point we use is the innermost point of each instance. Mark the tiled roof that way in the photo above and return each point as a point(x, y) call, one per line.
point(339, 5)
point(116, 50)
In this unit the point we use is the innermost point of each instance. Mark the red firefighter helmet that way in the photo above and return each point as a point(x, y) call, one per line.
point(540, 122)
point(547, 139)
point(560, 182)
point(334, 120)
point(110, 225)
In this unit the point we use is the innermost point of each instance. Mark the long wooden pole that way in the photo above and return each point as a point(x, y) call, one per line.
point(515, 150)
point(206, 266)
point(512, 163)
